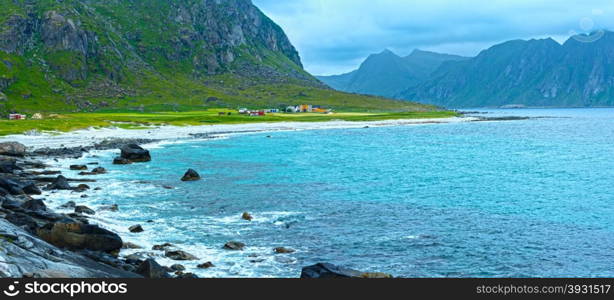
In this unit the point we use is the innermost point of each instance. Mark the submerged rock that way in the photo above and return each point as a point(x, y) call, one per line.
point(121, 161)
point(129, 245)
point(135, 153)
point(283, 250)
point(112, 208)
point(206, 265)
point(247, 216)
point(68, 205)
point(179, 255)
point(326, 270)
point(136, 229)
point(236, 246)
point(162, 247)
point(190, 175)
point(78, 167)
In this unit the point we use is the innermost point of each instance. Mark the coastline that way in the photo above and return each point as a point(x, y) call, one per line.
point(89, 137)
point(62, 150)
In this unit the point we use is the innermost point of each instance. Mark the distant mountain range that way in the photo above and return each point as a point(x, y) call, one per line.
point(387, 74)
point(578, 73)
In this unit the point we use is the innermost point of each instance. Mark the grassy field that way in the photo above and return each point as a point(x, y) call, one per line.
point(75, 121)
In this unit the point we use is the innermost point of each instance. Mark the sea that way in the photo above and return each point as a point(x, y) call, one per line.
point(523, 198)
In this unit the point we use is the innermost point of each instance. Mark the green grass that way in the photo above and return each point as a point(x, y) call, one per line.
point(75, 121)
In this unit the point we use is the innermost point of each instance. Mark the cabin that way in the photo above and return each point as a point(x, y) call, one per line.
point(17, 117)
point(243, 111)
point(305, 108)
point(292, 109)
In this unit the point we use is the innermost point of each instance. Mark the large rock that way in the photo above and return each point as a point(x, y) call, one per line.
point(80, 236)
point(135, 153)
point(179, 255)
point(12, 149)
point(121, 161)
point(151, 269)
point(190, 175)
point(15, 187)
point(237, 246)
point(326, 270)
point(60, 183)
point(23, 255)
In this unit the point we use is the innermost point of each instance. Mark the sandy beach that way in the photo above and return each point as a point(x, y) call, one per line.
point(89, 137)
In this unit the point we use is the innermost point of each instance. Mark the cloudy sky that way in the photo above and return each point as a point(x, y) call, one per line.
point(335, 36)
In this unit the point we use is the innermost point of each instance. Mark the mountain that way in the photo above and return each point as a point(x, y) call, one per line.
point(578, 73)
point(93, 55)
point(387, 74)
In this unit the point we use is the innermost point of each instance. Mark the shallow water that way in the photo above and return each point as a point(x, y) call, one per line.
point(485, 199)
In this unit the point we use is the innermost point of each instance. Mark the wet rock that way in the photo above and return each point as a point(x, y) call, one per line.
point(78, 167)
point(135, 153)
point(9, 166)
point(182, 275)
point(12, 149)
point(206, 265)
point(151, 269)
point(179, 255)
point(162, 247)
point(136, 228)
point(236, 246)
point(326, 270)
point(74, 235)
point(82, 188)
point(129, 245)
point(247, 216)
point(95, 171)
point(82, 209)
point(190, 175)
point(177, 268)
point(34, 205)
point(84, 196)
point(112, 208)
point(59, 183)
point(121, 161)
point(283, 250)
point(68, 205)
point(15, 187)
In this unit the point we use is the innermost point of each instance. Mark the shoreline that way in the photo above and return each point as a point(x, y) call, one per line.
point(89, 137)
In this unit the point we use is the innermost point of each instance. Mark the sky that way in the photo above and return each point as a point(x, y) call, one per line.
point(335, 36)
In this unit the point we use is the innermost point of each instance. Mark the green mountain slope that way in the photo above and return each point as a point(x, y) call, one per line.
point(579, 73)
point(93, 55)
point(387, 74)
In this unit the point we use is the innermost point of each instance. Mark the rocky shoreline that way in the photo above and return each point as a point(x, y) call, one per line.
point(38, 242)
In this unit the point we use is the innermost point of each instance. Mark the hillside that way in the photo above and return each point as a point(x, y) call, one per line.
point(579, 73)
point(387, 74)
point(108, 55)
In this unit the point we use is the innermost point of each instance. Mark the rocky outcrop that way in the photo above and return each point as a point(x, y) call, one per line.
point(24, 255)
point(12, 149)
point(152, 270)
point(326, 270)
point(190, 175)
point(236, 246)
point(135, 153)
point(73, 235)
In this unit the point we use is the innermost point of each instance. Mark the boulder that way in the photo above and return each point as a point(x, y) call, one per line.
point(121, 161)
point(73, 235)
point(129, 245)
point(68, 205)
point(326, 270)
point(182, 275)
point(236, 246)
point(247, 216)
point(162, 247)
point(60, 183)
point(136, 229)
point(9, 166)
point(177, 268)
point(206, 265)
point(95, 171)
point(34, 205)
point(82, 209)
point(78, 167)
point(82, 188)
point(190, 175)
point(135, 153)
point(112, 208)
point(179, 255)
point(12, 149)
point(151, 269)
point(283, 250)
point(15, 187)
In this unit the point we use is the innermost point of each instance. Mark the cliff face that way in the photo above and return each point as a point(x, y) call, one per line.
point(71, 50)
point(578, 73)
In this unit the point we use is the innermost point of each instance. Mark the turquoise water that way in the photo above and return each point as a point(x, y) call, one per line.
point(487, 199)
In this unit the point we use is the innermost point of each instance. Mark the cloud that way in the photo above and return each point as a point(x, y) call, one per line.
point(334, 36)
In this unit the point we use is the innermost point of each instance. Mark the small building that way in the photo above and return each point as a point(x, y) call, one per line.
point(17, 117)
point(292, 109)
point(272, 110)
point(305, 108)
point(243, 111)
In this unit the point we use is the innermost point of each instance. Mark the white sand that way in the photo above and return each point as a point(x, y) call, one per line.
point(88, 137)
